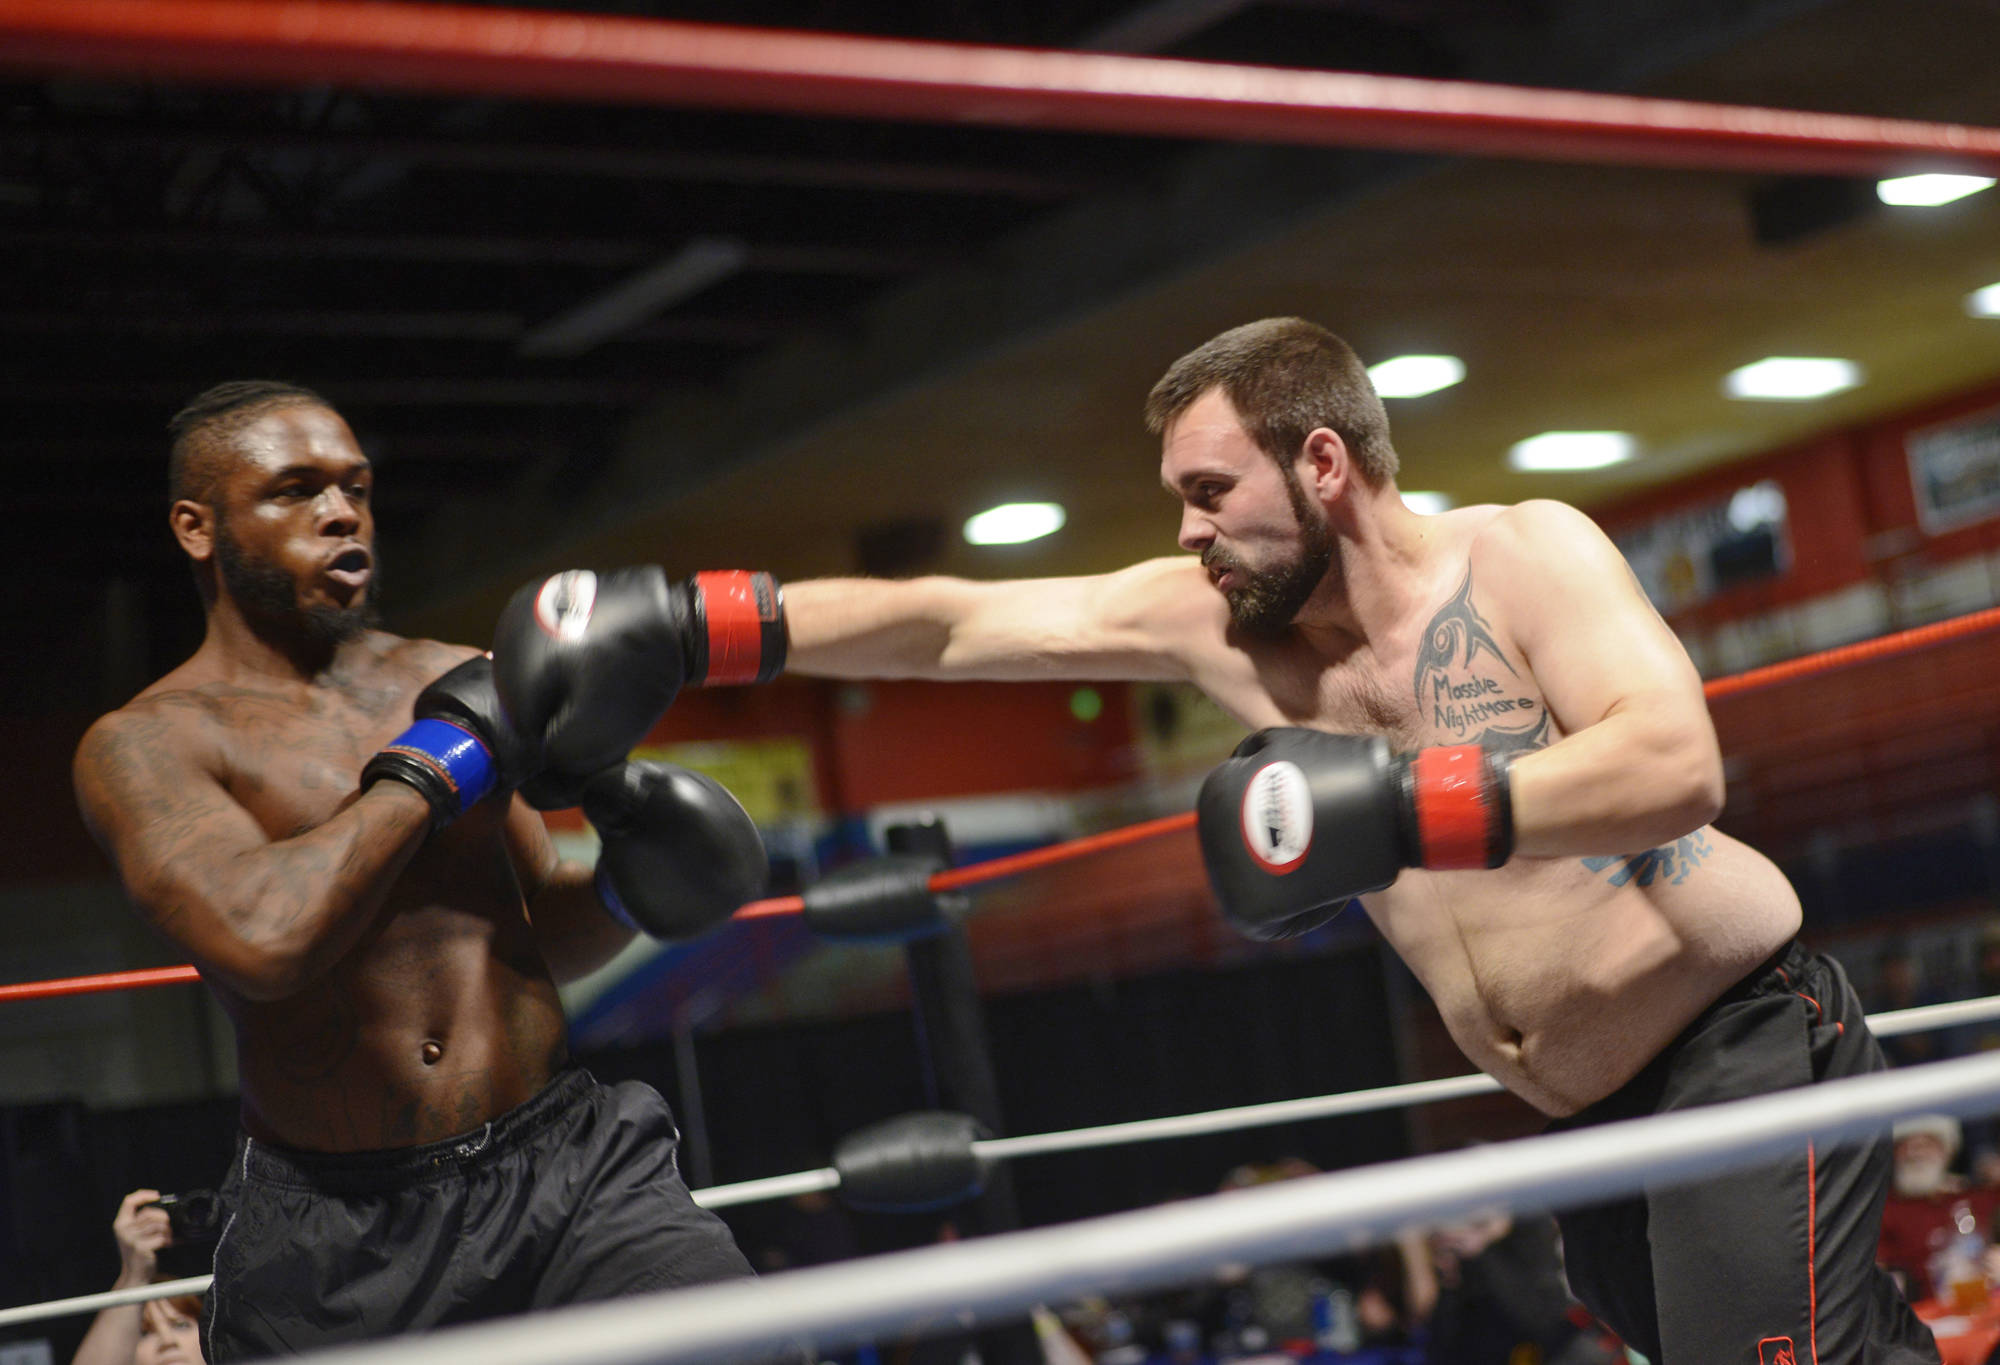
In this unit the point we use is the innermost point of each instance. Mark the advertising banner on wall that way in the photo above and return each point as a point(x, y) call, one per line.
point(1955, 471)
point(1686, 557)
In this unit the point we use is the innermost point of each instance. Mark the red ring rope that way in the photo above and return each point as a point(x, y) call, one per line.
point(957, 878)
point(463, 50)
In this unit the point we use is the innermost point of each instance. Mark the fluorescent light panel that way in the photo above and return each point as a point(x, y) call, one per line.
point(1413, 376)
point(1929, 191)
point(1791, 378)
point(1011, 523)
point(1563, 450)
point(1984, 303)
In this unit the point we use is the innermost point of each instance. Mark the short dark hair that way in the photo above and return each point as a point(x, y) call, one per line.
point(199, 433)
point(1286, 378)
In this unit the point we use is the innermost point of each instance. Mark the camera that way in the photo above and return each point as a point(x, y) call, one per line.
point(195, 1218)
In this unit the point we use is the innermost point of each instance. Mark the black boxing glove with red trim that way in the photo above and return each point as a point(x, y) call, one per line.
point(587, 663)
point(1298, 822)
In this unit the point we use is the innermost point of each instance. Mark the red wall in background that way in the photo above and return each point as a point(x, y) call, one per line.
point(1853, 514)
point(1892, 504)
point(905, 741)
point(1825, 500)
point(880, 742)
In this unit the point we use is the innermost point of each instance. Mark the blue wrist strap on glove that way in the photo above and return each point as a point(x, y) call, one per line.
point(608, 894)
point(454, 754)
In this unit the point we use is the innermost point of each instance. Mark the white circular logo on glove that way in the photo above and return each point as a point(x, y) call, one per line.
point(563, 606)
point(1278, 816)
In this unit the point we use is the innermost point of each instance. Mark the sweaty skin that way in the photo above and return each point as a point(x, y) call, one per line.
point(1621, 915)
point(388, 987)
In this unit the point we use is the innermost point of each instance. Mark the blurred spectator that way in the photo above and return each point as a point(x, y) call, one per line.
point(1338, 1303)
point(1500, 1298)
point(159, 1332)
point(810, 1229)
point(1982, 1134)
point(1927, 1201)
point(1899, 986)
point(170, 1332)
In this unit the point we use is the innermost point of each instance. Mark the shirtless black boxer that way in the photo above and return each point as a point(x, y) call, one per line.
point(1476, 723)
point(415, 1150)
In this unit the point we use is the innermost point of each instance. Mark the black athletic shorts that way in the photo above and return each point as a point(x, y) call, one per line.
point(1769, 1266)
point(572, 1196)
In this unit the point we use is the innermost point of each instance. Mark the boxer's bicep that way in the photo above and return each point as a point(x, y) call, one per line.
point(1591, 639)
point(1638, 764)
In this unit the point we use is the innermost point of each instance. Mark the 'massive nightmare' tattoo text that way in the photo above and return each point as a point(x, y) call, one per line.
point(1461, 695)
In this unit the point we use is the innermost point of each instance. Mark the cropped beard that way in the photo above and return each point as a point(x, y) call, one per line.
point(1269, 600)
point(269, 600)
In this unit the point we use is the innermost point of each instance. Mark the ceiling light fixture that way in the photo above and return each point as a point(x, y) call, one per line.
point(1984, 303)
point(1413, 376)
point(1929, 191)
point(1791, 378)
point(1565, 450)
point(1011, 523)
point(1426, 502)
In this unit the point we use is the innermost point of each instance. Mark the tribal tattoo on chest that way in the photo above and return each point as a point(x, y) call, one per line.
point(1474, 704)
point(1460, 694)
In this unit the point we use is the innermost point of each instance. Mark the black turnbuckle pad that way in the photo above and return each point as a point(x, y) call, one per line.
point(912, 1163)
point(887, 899)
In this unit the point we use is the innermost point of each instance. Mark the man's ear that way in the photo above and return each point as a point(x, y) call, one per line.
point(1327, 464)
point(193, 525)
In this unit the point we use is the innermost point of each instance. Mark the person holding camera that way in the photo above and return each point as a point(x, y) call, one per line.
point(160, 1331)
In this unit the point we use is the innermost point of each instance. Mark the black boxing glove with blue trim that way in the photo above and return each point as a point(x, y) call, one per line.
point(680, 853)
point(461, 748)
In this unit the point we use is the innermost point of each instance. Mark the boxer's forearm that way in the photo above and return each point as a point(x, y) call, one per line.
point(277, 917)
point(1633, 781)
point(874, 628)
point(1136, 624)
point(574, 932)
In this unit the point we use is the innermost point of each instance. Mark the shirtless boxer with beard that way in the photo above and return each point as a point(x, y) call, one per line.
point(385, 924)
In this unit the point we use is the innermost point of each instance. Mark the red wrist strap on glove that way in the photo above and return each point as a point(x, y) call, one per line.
point(1464, 812)
point(742, 628)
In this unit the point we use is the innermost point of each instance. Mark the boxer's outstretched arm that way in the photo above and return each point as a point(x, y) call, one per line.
point(262, 917)
point(1132, 624)
point(1639, 765)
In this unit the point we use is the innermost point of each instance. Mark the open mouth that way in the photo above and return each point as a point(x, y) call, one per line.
point(350, 568)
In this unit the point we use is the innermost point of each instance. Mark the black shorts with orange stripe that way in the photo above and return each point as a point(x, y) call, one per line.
point(1774, 1265)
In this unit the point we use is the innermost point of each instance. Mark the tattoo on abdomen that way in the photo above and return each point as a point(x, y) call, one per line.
point(1669, 863)
point(1476, 705)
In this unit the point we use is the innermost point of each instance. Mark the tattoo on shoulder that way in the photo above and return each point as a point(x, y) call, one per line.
point(1457, 692)
point(1670, 863)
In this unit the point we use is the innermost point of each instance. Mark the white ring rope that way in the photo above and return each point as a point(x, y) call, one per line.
point(959, 1285)
point(1887, 1025)
point(110, 1298)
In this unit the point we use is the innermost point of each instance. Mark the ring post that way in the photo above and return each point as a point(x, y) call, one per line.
point(958, 1060)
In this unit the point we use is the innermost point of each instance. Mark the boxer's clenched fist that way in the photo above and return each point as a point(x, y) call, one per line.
point(587, 662)
point(1297, 822)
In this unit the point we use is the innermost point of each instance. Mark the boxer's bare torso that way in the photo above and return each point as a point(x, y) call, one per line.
point(1560, 977)
point(441, 1013)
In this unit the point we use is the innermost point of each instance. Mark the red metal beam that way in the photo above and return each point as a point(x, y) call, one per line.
point(461, 50)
